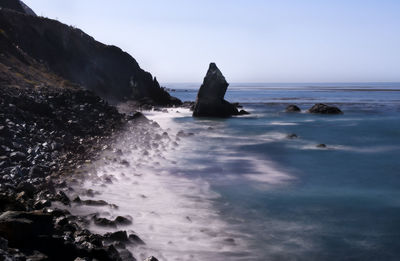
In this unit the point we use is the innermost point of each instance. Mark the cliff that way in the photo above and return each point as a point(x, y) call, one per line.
point(75, 56)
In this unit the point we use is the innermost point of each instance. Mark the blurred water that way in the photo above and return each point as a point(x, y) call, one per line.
point(240, 189)
point(293, 200)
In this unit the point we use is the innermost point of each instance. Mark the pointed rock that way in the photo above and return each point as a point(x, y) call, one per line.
point(210, 98)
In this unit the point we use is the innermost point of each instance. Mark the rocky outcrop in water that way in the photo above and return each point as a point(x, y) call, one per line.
point(324, 109)
point(293, 108)
point(75, 56)
point(210, 100)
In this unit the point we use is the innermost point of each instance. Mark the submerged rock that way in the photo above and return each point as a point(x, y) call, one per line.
point(292, 108)
point(292, 136)
point(210, 98)
point(151, 258)
point(324, 109)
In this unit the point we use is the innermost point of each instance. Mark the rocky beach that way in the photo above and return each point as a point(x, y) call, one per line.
point(98, 161)
point(53, 124)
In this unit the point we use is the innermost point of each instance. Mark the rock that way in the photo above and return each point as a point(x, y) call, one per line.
point(292, 108)
point(62, 197)
point(210, 98)
point(151, 258)
point(103, 222)
point(37, 171)
point(19, 227)
point(3, 243)
point(17, 156)
point(243, 112)
point(120, 220)
point(321, 145)
point(139, 117)
point(27, 187)
point(121, 236)
point(126, 255)
point(136, 239)
point(292, 136)
point(91, 202)
point(324, 109)
point(37, 256)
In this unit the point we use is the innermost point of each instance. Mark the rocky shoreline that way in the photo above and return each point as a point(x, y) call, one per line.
point(46, 135)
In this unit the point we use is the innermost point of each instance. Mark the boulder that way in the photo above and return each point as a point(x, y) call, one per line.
point(151, 258)
point(292, 108)
point(324, 109)
point(20, 228)
point(210, 100)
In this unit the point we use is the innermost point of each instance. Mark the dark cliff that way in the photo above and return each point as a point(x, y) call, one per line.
point(77, 57)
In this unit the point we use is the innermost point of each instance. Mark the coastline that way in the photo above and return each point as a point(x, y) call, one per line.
point(48, 136)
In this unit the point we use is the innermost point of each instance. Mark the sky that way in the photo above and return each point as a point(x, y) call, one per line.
point(249, 40)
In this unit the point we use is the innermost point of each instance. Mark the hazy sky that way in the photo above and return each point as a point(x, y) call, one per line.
point(250, 40)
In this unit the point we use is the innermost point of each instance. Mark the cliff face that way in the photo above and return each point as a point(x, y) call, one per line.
point(78, 58)
point(17, 6)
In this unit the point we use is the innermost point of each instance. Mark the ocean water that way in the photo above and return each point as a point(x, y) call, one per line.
point(240, 189)
point(296, 201)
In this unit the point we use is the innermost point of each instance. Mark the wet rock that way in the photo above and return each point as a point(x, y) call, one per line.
point(321, 145)
point(292, 136)
point(324, 109)
point(62, 197)
point(139, 117)
point(38, 171)
point(151, 258)
point(121, 236)
point(3, 243)
point(17, 156)
point(37, 256)
point(103, 222)
point(120, 220)
point(210, 100)
point(243, 112)
point(293, 108)
point(19, 228)
point(135, 239)
point(40, 204)
point(27, 187)
point(126, 255)
point(90, 202)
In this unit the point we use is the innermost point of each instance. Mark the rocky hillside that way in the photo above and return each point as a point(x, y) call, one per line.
point(75, 56)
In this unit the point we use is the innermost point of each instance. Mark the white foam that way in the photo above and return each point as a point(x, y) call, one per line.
point(281, 123)
point(174, 215)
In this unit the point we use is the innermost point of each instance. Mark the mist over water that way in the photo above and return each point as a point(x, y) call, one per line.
point(240, 189)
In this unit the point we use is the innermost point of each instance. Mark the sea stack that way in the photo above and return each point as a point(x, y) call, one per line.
point(210, 100)
point(324, 109)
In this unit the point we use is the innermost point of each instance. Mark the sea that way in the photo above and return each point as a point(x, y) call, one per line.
point(242, 189)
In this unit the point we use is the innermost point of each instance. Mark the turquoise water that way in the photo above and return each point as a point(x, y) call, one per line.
point(291, 199)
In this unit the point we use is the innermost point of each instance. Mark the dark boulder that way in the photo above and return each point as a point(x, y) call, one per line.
point(151, 258)
point(292, 108)
point(324, 109)
point(121, 236)
point(139, 117)
point(210, 100)
point(292, 136)
point(135, 239)
point(17, 156)
point(20, 228)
